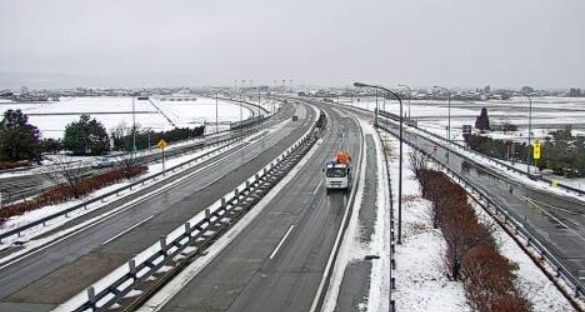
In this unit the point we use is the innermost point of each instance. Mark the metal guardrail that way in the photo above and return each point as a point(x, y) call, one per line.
point(392, 227)
point(148, 156)
point(203, 231)
point(43, 221)
point(559, 268)
point(151, 157)
point(491, 159)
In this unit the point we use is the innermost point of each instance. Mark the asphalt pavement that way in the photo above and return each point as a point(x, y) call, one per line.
point(278, 261)
point(557, 221)
point(50, 276)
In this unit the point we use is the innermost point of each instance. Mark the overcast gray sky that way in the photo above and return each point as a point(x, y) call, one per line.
point(506, 43)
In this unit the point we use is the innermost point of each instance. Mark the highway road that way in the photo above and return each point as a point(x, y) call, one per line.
point(49, 276)
point(278, 261)
point(29, 183)
point(557, 221)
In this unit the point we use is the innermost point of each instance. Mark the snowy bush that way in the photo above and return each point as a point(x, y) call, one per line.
point(472, 254)
point(62, 193)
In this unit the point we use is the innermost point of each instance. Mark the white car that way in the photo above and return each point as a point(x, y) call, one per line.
point(102, 162)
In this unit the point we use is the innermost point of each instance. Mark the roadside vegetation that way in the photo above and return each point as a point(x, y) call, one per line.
point(561, 151)
point(146, 137)
point(472, 255)
point(73, 184)
point(22, 145)
point(20, 142)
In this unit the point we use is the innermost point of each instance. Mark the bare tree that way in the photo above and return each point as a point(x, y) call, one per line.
point(463, 233)
point(68, 173)
point(419, 163)
point(129, 164)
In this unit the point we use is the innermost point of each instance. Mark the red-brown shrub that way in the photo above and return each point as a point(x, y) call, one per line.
point(62, 193)
point(471, 252)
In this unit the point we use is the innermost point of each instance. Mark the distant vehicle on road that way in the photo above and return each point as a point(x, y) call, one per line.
point(102, 162)
point(321, 121)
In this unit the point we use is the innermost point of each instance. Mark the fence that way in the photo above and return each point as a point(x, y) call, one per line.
point(560, 271)
point(115, 193)
point(214, 223)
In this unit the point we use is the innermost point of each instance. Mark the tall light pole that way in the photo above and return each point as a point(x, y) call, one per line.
point(376, 120)
point(449, 107)
point(363, 85)
point(149, 132)
point(259, 102)
point(217, 110)
point(529, 127)
point(133, 128)
point(241, 113)
point(409, 95)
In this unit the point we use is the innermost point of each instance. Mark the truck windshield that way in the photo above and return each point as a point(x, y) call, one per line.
point(336, 172)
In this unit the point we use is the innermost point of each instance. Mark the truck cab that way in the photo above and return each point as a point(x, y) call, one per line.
point(337, 176)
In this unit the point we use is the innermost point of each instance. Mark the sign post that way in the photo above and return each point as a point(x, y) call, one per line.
point(536, 153)
point(162, 145)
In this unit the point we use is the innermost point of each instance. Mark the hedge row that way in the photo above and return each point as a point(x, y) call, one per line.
point(62, 193)
point(472, 254)
point(5, 165)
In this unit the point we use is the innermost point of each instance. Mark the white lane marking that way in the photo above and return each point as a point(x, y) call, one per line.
point(162, 297)
point(536, 205)
point(127, 230)
point(281, 242)
point(317, 188)
point(107, 215)
point(339, 237)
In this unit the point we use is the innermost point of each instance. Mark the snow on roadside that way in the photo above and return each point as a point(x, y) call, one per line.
point(531, 281)
point(38, 214)
point(421, 284)
point(171, 289)
point(420, 281)
point(351, 249)
point(380, 241)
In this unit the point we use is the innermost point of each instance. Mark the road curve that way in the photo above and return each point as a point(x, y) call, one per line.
point(50, 276)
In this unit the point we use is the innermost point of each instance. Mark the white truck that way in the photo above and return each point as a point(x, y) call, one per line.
point(338, 172)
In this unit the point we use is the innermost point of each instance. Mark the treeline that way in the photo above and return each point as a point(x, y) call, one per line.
point(147, 138)
point(496, 148)
point(472, 255)
point(561, 152)
point(21, 143)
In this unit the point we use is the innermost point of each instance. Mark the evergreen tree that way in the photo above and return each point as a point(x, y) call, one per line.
point(19, 140)
point(482, 122)
point(86, 137)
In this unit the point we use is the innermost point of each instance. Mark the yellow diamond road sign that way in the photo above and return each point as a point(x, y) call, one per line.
point(536, 153)
point(162, 145)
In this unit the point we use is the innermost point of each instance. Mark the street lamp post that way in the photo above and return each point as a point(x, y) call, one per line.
point(361, 85)
point(149, 132)
point(529, 128)
point(409, 96)
point(133, 128)
point(376, 120)
point(259, 113)
point(449, 108)
point(217, 108)
point(241, 114)
point(217, 111)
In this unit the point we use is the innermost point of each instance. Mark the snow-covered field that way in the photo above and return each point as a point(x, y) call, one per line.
point(52, 117)
point(547, 113)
